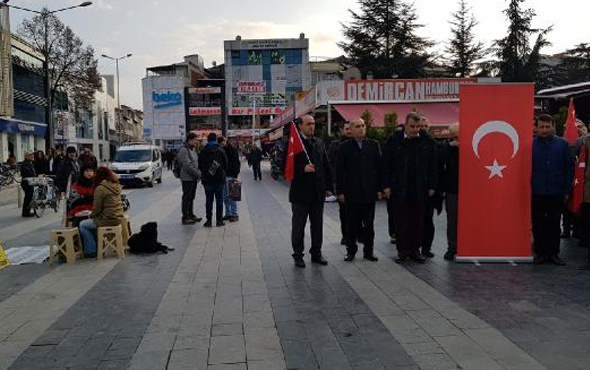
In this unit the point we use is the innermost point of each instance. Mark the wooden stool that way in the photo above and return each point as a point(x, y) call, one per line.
point(126, 224)
point(68, 242)
point(110, 237)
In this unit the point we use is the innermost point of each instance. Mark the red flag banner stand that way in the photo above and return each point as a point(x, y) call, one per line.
point(495, 164)
point(571, 132)
point(294, 147)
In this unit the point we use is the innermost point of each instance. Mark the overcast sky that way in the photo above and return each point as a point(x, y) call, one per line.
point(162, 32)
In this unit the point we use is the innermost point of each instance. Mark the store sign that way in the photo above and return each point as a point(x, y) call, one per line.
point(256, 132)
point(305, 102)
point(330, 91)
point(166, 99)
point(400, 90)
point(204, 90)
point(261, 111)
point(287, 115)
point(24, 127)
point(251, 87)
point(202, 133)
point(204, 111)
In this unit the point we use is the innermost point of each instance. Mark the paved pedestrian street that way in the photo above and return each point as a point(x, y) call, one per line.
point(230, 298)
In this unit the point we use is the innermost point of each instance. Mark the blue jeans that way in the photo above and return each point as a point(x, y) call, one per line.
point(231, 206)
point(88, 230)
point(214, 191)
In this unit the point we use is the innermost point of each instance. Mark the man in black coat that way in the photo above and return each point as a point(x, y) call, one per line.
point(332, 156)
point(254, 159)
point(311, 184)
point(213, 166)
point(358, 183)
point(233, 170)
point(411, 178)
point(449, 184)
point(68, 167)
point(27, 169)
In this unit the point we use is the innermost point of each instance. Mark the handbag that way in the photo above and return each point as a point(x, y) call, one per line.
point(235, 190)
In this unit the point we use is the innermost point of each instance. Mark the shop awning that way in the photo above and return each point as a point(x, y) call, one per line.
point(438, 113)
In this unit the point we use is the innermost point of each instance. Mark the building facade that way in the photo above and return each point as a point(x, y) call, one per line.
point(262, 77)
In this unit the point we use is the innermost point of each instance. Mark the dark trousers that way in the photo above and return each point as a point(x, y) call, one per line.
point(301, 212)
point(567, 223)
point(585, 227)
point(214, 192)
point(256, 170)
point(27, 201)
point(189, 191)
point(342, 212)
point(546, 214)
point(409, 222)
point(452, 208)
point(428, 228)
point(390, 217)
point(360, 219)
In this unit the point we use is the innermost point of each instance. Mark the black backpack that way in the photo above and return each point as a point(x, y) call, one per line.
point(176, 168)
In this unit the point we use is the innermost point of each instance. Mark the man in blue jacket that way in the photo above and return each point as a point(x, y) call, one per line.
point(553, 173)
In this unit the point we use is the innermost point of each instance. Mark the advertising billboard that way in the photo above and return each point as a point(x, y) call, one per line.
point(163, 107)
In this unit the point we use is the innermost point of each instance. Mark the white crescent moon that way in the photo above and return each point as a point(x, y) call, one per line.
point(496, 126)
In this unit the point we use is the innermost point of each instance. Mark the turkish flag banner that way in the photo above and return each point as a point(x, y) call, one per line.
point(495, 165)
point(577, 198)
point(294, 147)
point(571, 132)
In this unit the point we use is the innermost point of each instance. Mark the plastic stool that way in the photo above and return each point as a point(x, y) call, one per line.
point(110, 237)
point(68, 242)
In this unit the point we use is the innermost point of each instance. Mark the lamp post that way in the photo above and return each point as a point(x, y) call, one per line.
point(119, 128)
point(46, 78)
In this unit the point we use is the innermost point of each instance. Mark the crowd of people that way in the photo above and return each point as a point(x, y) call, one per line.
point(418, 176)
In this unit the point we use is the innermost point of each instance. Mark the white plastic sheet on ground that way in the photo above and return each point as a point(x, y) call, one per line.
point(22, 255)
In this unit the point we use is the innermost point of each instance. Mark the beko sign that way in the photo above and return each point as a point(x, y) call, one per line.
point(166, 99)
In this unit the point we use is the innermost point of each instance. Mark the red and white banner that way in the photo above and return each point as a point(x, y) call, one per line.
point(204, 111)
point(495, 172)
point(251, 87)
point(202, 133)
point(246, 111)
point(204, 90)
point(404, 90)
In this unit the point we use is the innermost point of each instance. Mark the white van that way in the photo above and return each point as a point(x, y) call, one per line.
point(138, 164)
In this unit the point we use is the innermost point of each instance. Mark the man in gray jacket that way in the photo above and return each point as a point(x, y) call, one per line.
point(190, 176)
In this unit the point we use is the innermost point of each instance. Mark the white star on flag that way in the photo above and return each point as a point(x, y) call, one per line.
point(496, 170)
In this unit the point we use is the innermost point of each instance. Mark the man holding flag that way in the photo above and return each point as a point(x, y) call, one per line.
point(308, 169)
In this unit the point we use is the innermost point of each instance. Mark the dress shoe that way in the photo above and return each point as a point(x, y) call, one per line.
point(220, 223)
point(556, 261)
point(226, 217)
point(418, 258)
point(539, 260)
point(449, 256)
point(342, 241)
point(371, 257)
point(319, 260)
point(195, 218)
point(299, 262)
point(188, 221)
point(234, 219)
point(401, 259)
point(349, 258)
point(428, 254)
point(208, 224)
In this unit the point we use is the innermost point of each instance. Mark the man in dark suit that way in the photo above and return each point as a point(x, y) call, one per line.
point(358, 183)
point(311, 184)
point(332, 156)
point(411, 178)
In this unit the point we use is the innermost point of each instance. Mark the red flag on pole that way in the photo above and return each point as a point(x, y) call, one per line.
point(294, 147)
point(571, 132)
point(495, 172)
point(577, 198)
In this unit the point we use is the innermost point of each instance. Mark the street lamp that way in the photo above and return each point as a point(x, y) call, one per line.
point(118, 101)
point(48, 108)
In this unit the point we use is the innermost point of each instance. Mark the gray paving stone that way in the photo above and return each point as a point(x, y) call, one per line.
point(195, 358)
point(227, 350)
point(227, 329)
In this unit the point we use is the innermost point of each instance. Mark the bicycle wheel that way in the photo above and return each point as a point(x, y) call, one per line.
point(36, 204)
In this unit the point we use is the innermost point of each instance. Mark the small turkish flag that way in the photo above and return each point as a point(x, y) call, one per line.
point(578, 192)
point(571, 132)
point(294, 147)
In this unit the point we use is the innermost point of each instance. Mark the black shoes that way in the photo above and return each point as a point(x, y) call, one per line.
point(188, 221)
point(234, 219)
point(372, 258)
point(299, 262)
point(226, 217)
point(208, 224)
point(418, 258)
point(428, 254)
point(195, 218)
point(401, 259)
point(556, 261)
point(349, 258)
point(449, 256)
point(319, 260)
point(538, 260)
point(219, 223)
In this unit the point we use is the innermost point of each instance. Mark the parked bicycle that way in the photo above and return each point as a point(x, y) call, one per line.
point(8, 175)
point(45, 194)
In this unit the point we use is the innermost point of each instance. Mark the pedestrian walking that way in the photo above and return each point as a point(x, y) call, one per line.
point(552, 179)
point(213, 167)
point(358, 185)
point(449, 184)
point(87, 158)
point(332, 157)
point(55, 159)
point(27, 169)
point(68, 168)
point(254, 159)
point(311, 183)
point(411, 179)
point(233, 170)
point(189, 177)
point(41, 164)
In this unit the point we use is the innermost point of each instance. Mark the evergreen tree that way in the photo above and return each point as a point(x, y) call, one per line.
point(382, 40)
point(517, 61)
point(577, 63)
point(463, 51)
